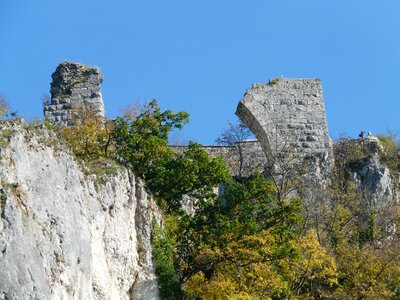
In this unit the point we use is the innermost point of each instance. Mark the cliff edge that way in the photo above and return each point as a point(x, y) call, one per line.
point(65, 234)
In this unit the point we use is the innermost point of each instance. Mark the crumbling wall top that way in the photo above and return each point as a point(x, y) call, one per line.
point(73, 84)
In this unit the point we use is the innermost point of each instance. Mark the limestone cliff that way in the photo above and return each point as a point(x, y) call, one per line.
point(67, 235)
point(361, 162)
point(375, 178)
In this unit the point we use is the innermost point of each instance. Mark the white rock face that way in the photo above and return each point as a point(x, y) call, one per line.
point(64, 236)
point(374, 178)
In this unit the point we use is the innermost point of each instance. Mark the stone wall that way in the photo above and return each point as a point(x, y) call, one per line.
point(73, 85)
point(288, 117)
point(242, 159)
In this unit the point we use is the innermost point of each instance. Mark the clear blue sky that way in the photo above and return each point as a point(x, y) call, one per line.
point(201, 55)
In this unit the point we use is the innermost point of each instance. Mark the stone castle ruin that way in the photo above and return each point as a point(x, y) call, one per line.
point(73, 86)
point(286, 115)
point(288, 118)
point(287, 112)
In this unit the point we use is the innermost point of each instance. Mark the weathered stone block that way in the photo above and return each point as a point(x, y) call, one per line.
point(73, 84)
point(299, 105)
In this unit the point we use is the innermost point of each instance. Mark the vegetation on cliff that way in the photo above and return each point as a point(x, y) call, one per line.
point(250, 241)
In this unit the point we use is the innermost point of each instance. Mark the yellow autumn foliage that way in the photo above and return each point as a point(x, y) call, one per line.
point(368, 272)
point(90, 135)
point(314, 270)
point(246, 269)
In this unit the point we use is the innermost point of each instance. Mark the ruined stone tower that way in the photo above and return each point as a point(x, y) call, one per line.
point(73, 85)
point(288, 118)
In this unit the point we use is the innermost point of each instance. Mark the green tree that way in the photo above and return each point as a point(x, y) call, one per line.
point(246, 211)
point(193, 173)
point(163, 255)
point(141, 141)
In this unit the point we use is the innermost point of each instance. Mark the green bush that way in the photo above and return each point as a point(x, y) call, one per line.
point(163, 257)
point(273, 81)
point(391, 152)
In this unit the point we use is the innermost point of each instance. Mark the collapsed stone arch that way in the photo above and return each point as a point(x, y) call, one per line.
point(251, 121)
point(288, 117)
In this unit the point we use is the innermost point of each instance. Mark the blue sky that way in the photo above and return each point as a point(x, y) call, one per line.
point(201, 56)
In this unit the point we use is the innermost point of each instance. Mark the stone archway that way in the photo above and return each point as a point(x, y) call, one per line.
point(288, 116)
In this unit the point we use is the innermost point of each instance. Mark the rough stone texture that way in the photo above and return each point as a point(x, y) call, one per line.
point(376, 184)
point(250, 152)
point(64, 235)
point(288, 117)
point(73, 85)
point(370, 174)
point(374, 178)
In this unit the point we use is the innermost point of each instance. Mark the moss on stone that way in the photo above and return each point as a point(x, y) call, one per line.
point(273, 81)
point(3, 201)
point(5, 135)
